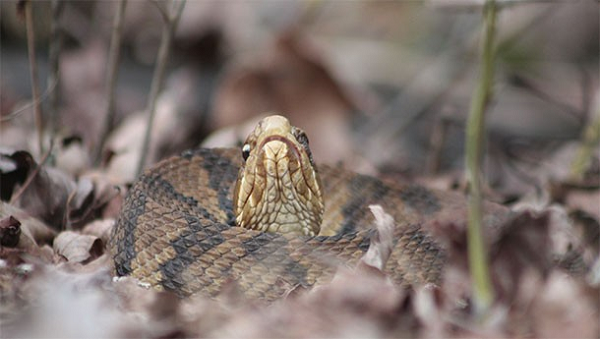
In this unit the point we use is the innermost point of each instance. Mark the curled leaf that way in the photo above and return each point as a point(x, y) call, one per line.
point(33, 231)
point(78, 248)
point(382, 242)
point(100, 228)
point(44, 195)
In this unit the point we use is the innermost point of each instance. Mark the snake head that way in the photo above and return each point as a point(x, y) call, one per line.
point(278, 187)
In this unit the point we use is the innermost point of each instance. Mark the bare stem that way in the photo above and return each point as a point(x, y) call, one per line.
point(53, 60)
point(33, 72)
point(475, 138)
point(157, 80)
point(111, 78)
point(32, 175)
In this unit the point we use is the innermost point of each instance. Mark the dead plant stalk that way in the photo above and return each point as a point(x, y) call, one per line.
point(111, 78)
point(33, 73)
point(54, 65)
point(171, 22)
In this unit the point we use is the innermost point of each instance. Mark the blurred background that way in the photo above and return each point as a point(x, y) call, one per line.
point(380, 87)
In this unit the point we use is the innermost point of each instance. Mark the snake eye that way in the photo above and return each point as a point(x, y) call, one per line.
point(246, 151)
point(302, 139)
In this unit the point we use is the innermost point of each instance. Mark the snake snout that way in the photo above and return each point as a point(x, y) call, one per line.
point(278, 189)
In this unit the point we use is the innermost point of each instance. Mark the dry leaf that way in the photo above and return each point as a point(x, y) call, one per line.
point(80, 204)
point(71, 155)
point(78, 248)
point(34, 231)
point(100, 228)
point(109, 193)
point(382, 243)
point(46, 195)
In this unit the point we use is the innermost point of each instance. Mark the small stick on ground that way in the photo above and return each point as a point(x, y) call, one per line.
point(171, 22)
point(111, 78)
point(483, 294)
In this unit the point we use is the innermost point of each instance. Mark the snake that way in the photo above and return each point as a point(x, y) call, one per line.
point(267, 220)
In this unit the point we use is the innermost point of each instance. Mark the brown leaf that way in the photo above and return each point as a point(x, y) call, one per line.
point(47, 194)
point(524, 244)
point(100, 228)
point(78, 248)
point(80, 203)
point(71, 155)
point(33, 231)
point(109, 193)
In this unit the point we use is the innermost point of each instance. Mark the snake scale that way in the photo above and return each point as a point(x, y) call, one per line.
point(177, 229)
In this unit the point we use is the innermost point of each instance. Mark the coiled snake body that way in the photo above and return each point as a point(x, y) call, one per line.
point(177, 228)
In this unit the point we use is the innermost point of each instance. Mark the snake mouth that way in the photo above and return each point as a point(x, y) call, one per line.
point(285, 140)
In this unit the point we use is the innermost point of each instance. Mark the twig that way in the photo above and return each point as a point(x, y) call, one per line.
point(389, 124)
point(31, 176)
point(436, 144)
point(33, 72)
point(53, 61)
point(111, 78)
point(163, 55)
point(483, 292)
point(160, 6)
point(24, 108)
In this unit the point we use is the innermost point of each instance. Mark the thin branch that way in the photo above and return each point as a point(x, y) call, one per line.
point(483, 293)
point(31, 176)
point(388, 124)
point(436, 144)
point(33, 72)
point(177, 11)
point(162, 10)
point(157, 81)
point(24, 108)
point(111, 77)
point(53, 61)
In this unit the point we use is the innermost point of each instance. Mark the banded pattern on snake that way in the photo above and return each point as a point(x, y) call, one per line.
point(178, 229)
